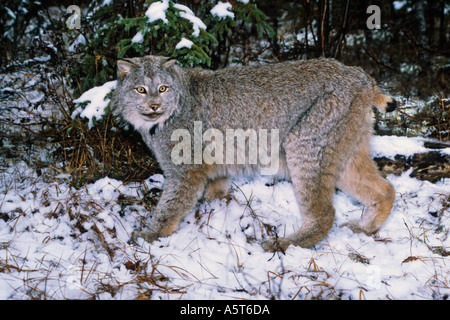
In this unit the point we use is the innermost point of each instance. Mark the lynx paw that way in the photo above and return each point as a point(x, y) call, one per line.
point(356, 227)
point(158, 230)
point(275, 244)
point(217, 189)
point(148, 236)
point(211, 195)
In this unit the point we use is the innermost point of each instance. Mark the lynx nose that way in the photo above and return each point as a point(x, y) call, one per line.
point(154, 106)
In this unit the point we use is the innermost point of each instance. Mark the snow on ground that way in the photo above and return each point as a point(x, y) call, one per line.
point(388, 146)
point(58, 242)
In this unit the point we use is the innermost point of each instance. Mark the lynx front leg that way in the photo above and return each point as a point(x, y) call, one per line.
point(179, 196)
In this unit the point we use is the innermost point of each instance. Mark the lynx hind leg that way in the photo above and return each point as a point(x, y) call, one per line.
point(314, 191)
point(361, 180)
point(217, 188)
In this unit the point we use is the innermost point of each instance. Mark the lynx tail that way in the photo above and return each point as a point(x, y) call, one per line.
point(383, 102)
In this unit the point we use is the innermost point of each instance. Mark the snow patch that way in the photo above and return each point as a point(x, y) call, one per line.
point(96, 102)
point(187, 13)
point(80, 40)
point(184, 43)
point(389, 146)
point(222, 10)
point(399, 4)
point(138, 38)
point(106, 3)
point(157, 11)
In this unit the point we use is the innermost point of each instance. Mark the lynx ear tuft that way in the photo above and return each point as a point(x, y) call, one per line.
point(124, 67)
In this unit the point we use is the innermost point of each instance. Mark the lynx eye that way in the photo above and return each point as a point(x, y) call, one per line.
point(141, 90)
point(162, 89)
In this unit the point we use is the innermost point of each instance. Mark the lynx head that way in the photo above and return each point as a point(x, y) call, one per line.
point(148, 91)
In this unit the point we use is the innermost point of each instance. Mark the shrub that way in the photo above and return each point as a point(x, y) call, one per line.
point(161, 28)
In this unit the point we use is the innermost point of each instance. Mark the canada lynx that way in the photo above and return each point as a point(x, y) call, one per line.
point(320, 109)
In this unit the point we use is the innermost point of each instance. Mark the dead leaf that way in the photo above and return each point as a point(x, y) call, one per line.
point(409, 259)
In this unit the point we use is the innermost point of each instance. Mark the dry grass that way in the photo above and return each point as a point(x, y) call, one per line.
point(105, 151)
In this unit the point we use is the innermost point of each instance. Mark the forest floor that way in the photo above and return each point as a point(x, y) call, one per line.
point(64, 241)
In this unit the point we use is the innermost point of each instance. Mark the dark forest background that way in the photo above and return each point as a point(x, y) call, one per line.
point(410, 51)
